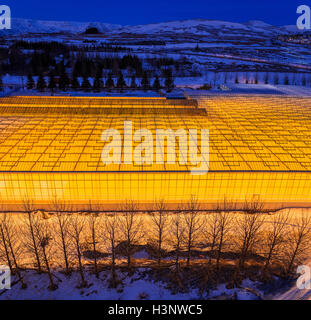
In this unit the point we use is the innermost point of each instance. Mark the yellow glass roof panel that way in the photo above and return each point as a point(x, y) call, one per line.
point(265, 133)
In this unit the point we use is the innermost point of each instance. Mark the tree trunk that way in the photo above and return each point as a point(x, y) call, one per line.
point(188, 252)
point(95, 257)
point(159, 249)
point(65, 252)
point(113, 265)
point(6, 249)
point(52, 285)
point(23, 285)
point(128, 252)
point(219, 251)
point(83, 282)
point(267, 263)
point(290, 266)
point(34, 243)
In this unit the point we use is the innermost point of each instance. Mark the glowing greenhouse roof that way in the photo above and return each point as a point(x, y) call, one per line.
point(247, 133)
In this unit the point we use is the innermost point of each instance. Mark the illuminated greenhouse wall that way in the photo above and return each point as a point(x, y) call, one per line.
point(260, 149)
point(274, 189)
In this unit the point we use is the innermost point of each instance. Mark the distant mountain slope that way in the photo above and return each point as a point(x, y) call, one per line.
point(196, 26)
point(206, 27)
point(23, 26)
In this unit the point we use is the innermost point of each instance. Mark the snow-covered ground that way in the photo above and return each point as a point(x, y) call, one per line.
point(292, 292)
point(133, 287)
point(212, 44)
point(251, 89)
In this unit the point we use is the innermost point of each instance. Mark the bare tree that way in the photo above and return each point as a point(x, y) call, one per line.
point(275, 237)
point(159, 219)
point(177, 232)
point(9, 236)
point(31, 219)
point(62, 232)
point(111, 234)
point(43, 233)
point(247, 230)
point(253, 206)
point(298, 244)
point(193, 226)
point(77, 226)
point(131, 228)
point(224, 226)
point(5, 248)
point(227, 206)
point(93, 239)
point(211, 232)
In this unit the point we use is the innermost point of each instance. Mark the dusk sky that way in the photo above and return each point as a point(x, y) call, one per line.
point(277, 12)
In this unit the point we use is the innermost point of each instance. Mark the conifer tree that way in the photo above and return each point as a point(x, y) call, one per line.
point(98, 81)
point(304, 80)
point(97, 84)
point(236, 81)
point(145, 81)
point(169, 81)
point(52, 83)
point(30, 82)
point(121, 82)
point(109, 82)
point(75, 85)
point(246, 78)
point(86, 86)
point(256, 78)
point(156, 84)
point(41, 84)
point(267, 78)
point(133, 82)
point(63, 81)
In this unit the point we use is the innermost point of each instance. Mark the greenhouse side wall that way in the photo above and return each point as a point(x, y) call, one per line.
point(110, 190)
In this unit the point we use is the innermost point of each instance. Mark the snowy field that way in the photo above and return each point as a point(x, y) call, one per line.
point(249, 89)
point(209, 45)
point(144, 284)
point(134, 287)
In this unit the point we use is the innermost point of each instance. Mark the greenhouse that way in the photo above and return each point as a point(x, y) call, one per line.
point(51, 147)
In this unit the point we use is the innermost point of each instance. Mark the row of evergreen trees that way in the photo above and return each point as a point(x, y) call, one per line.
point(64, 83)
point(276, 80)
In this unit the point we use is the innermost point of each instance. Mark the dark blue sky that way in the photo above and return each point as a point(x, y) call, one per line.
point(132, 12)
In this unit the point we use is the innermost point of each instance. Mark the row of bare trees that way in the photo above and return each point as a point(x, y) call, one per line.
point(186, 237)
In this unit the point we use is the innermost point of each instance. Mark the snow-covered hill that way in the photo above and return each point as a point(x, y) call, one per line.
point(24, 26)
point(196, 26)
point(206, 27)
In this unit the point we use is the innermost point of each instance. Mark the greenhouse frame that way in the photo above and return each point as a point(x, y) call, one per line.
point(50, 147)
